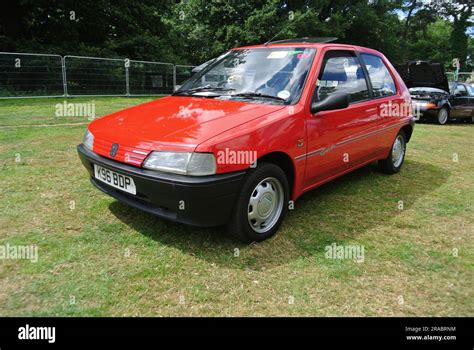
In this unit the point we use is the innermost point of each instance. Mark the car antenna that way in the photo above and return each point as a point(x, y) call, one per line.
point(281, 30)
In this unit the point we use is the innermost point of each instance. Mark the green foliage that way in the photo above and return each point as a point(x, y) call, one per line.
point(433, 41)
point(193, 31)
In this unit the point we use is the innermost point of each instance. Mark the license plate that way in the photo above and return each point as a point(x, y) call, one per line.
point(122, 182)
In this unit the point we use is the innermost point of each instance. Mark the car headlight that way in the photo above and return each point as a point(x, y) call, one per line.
point(183, 163)
point(88, 140)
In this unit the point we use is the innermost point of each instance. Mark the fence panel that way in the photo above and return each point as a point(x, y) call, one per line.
point(37, 75)
point(182, 73)
point(462, 76)
point(150, 78)
point(30, 75)
point(91, 76)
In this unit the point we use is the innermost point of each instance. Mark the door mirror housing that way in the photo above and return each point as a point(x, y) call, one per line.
point(332, 102)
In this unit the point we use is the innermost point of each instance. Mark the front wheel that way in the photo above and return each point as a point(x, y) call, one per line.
point(443, 116)
point(393, 163)
point(261, 204)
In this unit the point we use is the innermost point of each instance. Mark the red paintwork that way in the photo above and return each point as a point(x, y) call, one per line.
point(197, 124)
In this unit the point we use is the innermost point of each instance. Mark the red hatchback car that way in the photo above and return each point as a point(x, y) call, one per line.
point(252, 131)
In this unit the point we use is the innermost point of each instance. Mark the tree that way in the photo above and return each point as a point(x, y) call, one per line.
point(461, 15)
point(432, 42)
point(193, 31)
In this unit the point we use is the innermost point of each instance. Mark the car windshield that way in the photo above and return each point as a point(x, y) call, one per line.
point(266, 75)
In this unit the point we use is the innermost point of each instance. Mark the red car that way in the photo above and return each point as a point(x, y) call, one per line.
point(251, 132)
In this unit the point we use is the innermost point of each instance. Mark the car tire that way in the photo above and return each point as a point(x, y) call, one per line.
point(393, 163)
point(443, 116)
point(261, 204)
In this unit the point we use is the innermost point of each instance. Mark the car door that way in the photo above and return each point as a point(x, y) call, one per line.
point(339, 140)
point(470, 91)
point(391, 106)
point(460, 102)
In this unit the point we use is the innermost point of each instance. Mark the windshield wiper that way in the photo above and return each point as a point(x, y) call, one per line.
point(251, 94)
point(202, 89)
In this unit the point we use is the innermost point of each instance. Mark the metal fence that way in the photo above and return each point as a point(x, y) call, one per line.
point(151, 78)
point(25, 75)
point(88, 76)
point(462, 76)
point(182, 73)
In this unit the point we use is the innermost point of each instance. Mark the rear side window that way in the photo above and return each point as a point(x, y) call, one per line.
point(342, 73)
point(379, 75)
point(470, 90)
point(460, 90)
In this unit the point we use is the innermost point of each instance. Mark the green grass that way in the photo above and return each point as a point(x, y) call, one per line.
point(42, 112)
point(111, 259)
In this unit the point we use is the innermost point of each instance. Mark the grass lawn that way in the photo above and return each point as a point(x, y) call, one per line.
point(98, 257)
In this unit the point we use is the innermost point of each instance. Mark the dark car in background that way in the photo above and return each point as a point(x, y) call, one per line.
point(433, 97)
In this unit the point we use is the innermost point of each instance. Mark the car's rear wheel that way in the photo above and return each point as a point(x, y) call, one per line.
point(393, 163)
point(261, 204)
point(442, 116)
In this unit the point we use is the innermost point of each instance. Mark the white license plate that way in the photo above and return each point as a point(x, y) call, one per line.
point(122, 182)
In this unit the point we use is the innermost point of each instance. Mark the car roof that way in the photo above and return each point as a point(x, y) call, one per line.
point(308, 44)
point(326, 39)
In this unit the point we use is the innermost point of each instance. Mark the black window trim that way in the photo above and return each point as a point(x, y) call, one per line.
point(355, 54)
point(359, 54)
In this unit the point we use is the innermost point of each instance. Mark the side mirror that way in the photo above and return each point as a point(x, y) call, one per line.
point(332, 102)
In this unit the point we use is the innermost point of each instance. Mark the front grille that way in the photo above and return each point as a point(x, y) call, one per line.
point(125, 154)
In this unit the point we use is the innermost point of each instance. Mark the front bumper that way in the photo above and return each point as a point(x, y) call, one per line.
point(428, 114)
point(422, 112)
point(199, 201)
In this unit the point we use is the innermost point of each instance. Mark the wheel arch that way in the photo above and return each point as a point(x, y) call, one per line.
point(284, 161)
point(408, 129)
point(447, 105)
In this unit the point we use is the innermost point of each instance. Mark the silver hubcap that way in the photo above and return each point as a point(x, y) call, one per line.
point(443, 116)
point(265, 205)
point(398, 151)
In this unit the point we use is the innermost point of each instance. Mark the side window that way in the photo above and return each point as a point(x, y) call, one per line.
point(342, 73)
point(470, 90)
point(460, 90)
point(380, 77)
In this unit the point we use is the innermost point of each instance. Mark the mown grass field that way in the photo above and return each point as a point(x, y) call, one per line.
point(98, 257)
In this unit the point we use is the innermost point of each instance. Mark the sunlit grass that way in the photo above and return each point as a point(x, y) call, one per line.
point(103, 258)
